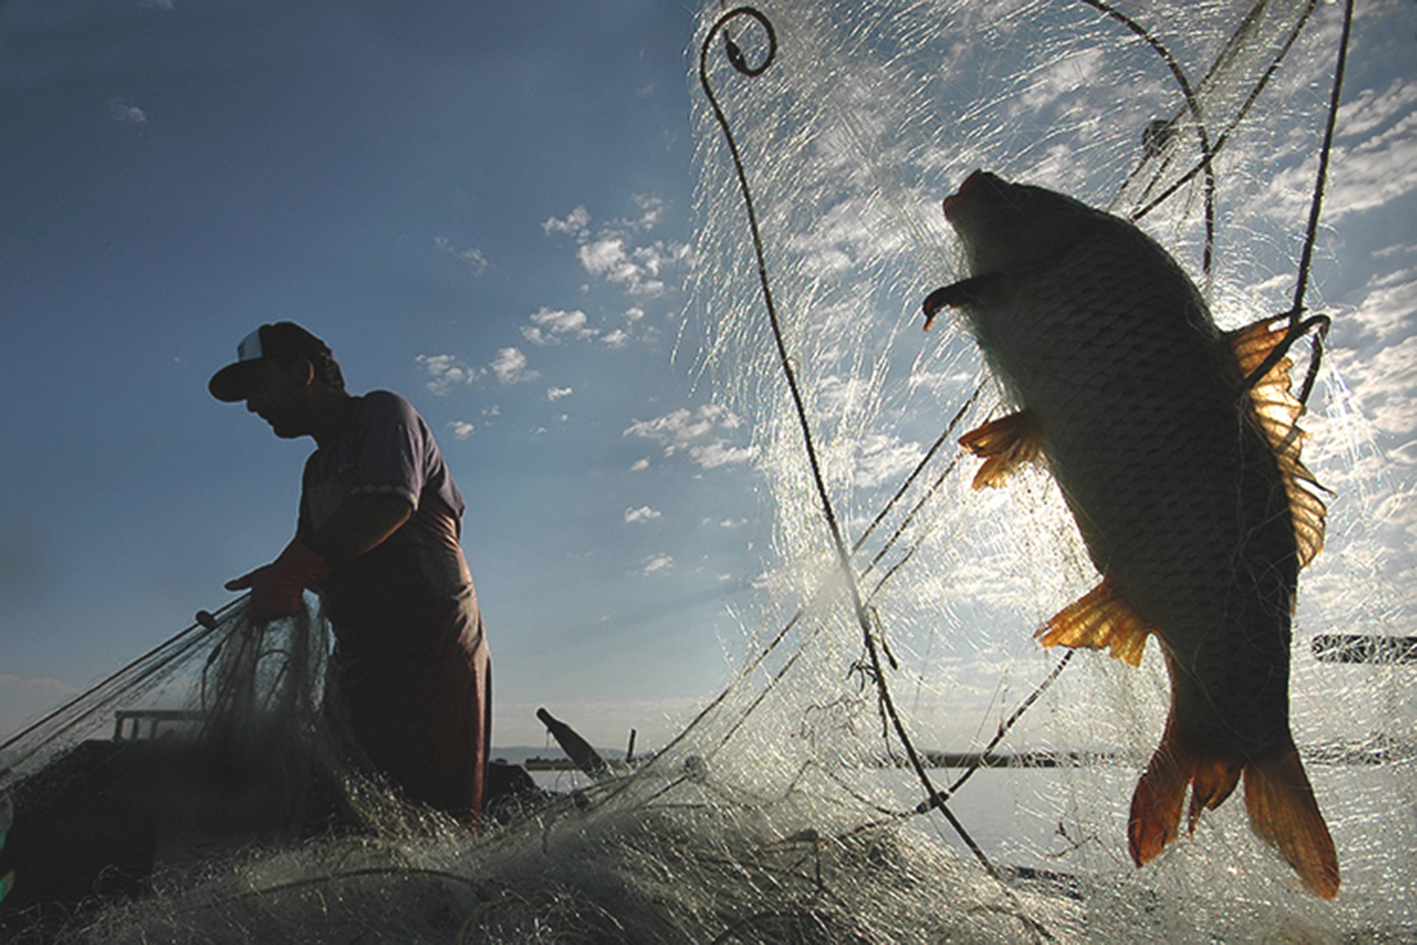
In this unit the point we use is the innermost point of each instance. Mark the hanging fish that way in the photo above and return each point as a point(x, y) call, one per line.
point(1187, 488)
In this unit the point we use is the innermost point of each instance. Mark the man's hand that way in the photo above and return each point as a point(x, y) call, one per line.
point(277, 590)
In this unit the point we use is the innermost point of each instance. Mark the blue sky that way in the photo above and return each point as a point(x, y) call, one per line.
point(482, 206)
point(489, 209)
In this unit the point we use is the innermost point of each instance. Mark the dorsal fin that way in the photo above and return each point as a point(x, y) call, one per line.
point(1278, 412)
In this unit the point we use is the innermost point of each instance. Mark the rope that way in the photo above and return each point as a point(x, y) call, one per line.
point(1193, 105)
point(1239, 116)
point(1297, 328)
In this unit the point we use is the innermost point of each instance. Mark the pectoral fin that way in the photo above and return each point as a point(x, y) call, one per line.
point(1004, 444)
point(965, 292)
point(1097, 619)
point(1278, 412)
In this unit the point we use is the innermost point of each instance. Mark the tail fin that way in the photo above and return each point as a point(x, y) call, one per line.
point(1283, 812)
point(1277, 795)
point(1156, 805)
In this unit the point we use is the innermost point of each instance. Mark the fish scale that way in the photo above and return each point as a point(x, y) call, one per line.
point(1187, 497)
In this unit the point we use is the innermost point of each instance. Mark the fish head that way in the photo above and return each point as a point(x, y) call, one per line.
point(1006, 226)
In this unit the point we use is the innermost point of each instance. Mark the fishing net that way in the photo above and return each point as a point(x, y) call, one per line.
point(844, 787)
point(219, 740)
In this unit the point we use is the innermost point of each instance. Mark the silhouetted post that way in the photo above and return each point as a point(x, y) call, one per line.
point(579, 750)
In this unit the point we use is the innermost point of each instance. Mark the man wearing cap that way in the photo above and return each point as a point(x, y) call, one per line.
point(377, 538)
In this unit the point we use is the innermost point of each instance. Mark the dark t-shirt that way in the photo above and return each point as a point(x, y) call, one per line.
point(411, 665)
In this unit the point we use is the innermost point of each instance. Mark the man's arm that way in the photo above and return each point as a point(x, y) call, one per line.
point(361, 523)
point(358, 525)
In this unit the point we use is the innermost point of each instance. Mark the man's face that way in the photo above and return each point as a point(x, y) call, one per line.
point(278, 394)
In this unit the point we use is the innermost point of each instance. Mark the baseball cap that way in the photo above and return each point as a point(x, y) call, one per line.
point(285, 342)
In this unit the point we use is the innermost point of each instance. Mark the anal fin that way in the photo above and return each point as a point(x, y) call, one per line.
point(1004, 444)
point(1099, 618)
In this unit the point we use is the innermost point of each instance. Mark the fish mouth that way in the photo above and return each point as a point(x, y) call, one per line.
point(959, 197)
point(971, 185)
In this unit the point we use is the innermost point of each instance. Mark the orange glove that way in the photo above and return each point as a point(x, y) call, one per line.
point(277, 590)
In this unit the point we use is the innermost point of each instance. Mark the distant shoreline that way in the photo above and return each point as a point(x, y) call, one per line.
point(1382, 751)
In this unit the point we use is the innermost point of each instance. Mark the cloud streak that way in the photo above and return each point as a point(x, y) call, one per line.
point(552, 326)
point(615, 254)
point(447, 373)
point(698, 433)
point(472, 259)
point(642, 514)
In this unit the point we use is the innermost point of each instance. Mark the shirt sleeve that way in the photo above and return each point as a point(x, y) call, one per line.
point(392, 451)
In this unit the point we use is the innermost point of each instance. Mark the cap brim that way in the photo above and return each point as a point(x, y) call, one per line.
point(229, 384)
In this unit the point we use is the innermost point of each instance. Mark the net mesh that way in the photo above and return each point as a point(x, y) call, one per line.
point(788, 810)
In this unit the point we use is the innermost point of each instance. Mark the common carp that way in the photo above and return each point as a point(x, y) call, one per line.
point(1185, 481)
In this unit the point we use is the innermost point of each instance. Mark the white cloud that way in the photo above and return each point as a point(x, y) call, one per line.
point(471, 258)
point(651, 210)
point(1385, 385)
point(642, 514)
point(1072, 72)
point(510, 367)
point(1390, 308)
point(1375, 171)
point(120, 110)
point(882, 457)
point(612, 253)
point(719, 453)
point(575, 223)
point(678, 427)
point(462, 429)
point(1370, 109)
point(639, 464)
point(447, 372)
point(659, 563)
point(698, 433)
point(1368, 173)
point(620, 337)
point(639, 270)
point(554, 394)
point(606, 257)
point(549, 326)
point(492, 410)
point(850, 230)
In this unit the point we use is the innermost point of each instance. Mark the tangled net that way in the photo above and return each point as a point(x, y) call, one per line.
point(842, 788)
